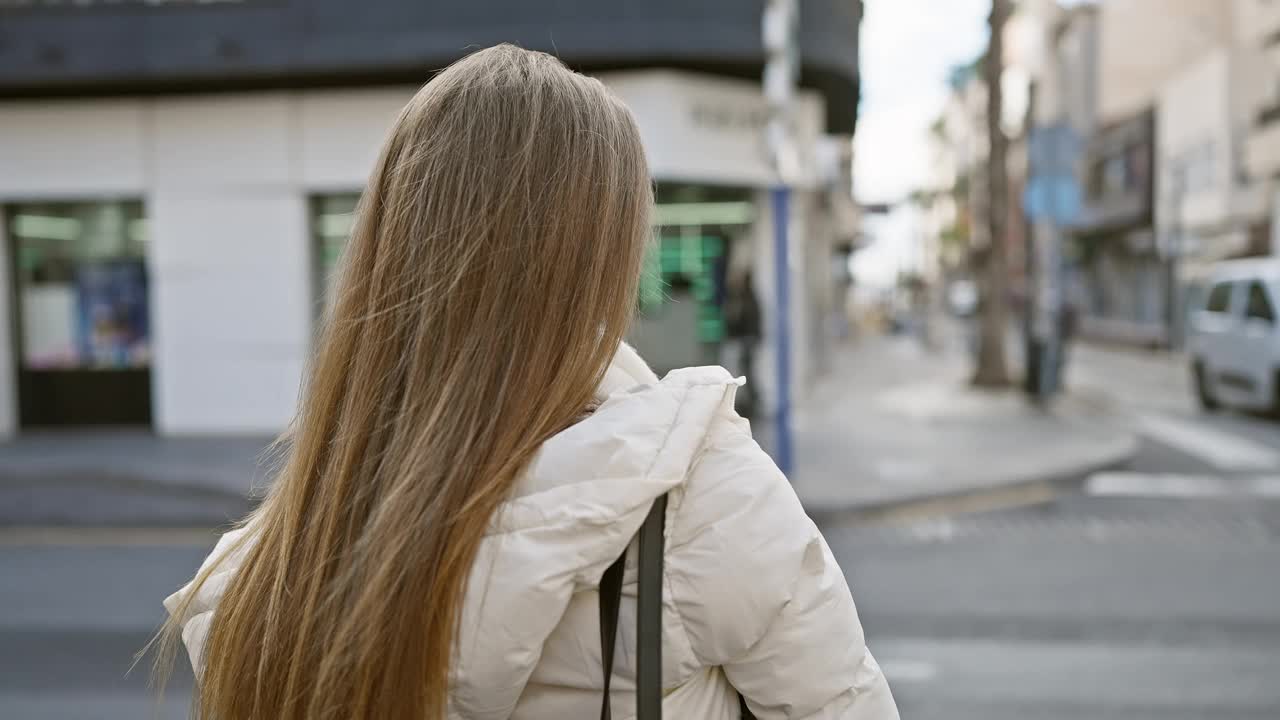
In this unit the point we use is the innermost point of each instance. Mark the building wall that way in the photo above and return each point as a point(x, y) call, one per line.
point(225, 181)
point(1194, 140)
point(8, 390)
point(701, 129)
point(1077, 49)
point(1255, 61)
point(1257, 22)
point(1255, 74)
point(1205, 114)
point(1144, 42)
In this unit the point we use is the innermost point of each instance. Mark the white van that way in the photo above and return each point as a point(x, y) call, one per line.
point(1234, 342)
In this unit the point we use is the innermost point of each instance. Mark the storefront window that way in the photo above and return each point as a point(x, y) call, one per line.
point(685, 284)
point(686, 269)
point(81, 285)
point(332, 217)
point(683, 288)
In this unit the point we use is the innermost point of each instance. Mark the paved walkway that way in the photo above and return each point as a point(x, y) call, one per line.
point(896, 427)
point(127, 478)
point(891, 426)
point(1134, 377)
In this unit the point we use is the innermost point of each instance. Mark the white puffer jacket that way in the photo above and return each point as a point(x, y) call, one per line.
point(753, 599)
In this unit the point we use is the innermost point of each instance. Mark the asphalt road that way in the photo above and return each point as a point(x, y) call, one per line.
point(1087, 608)
point(74, 612)
point(1151, 593)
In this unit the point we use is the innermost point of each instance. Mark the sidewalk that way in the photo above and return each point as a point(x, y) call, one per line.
point(890, 428)
point(894, 428)
point(127, 478)
point(1156, 380)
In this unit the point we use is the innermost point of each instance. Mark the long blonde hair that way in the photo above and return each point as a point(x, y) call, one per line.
point(490, 276)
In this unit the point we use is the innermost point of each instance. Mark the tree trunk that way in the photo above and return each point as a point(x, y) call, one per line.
point(993, 369)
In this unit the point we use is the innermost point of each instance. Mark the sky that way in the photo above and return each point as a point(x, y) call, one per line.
point(908, 47)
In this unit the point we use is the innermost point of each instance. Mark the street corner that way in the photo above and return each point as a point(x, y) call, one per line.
point(1022, 462)
point(1101, 426)
point(952, 399)
point(1087, 401)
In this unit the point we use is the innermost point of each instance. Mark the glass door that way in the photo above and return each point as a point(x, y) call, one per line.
point(81, 313)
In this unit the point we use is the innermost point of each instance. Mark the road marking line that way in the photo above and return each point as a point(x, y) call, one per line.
point(976, 500)
point(1133, 484)
point(903, 670)
point(1220, 449)
point(1169, 485)
point(1267, 487)
point(111, 536)
point(899, 469)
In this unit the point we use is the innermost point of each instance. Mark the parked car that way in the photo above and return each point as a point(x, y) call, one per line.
point(1234, 342)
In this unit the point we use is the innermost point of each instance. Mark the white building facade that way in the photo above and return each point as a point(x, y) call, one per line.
point(1210, 204)
point(218, 217)
point(1260, 22)
point(1208, 208)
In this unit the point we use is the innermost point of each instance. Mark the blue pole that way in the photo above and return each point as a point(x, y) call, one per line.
point(782, 328)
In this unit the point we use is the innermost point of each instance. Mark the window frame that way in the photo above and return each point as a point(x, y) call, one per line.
point(133, 245)
point(1230, 286)
point(1248, 309)
point(322, 205)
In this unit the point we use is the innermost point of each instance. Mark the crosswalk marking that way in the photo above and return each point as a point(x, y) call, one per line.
point(1220, 449)
point(1172, 485)
point(1268, 487)
point(908, 670)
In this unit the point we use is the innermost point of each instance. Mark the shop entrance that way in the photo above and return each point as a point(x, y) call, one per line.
point(80, 313)
point(686, 284)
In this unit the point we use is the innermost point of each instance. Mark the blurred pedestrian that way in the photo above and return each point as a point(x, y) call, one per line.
point(475, 447)
point(742, 324)
point(1068, 327)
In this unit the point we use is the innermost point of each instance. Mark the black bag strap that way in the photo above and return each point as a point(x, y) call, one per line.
point(649, 614)
point(648, 619)
point(610, 602)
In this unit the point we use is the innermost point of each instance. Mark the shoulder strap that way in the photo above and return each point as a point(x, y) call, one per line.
point(648, 619)
point(610, 602)
point(649, 614)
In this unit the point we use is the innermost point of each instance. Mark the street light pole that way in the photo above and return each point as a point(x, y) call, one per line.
point(779, 28)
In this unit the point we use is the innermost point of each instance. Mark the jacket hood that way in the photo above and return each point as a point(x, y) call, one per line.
point(573, 512)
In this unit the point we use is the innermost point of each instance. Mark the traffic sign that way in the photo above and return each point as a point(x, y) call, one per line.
point(1053, 191)
point(1054, 149)
point(1056, 198)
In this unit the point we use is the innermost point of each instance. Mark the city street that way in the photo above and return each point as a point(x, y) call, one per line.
point(382, 238)
point(1087, 608)
point(1150, 591)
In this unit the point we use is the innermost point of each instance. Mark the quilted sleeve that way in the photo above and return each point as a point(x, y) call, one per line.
point(760, 594)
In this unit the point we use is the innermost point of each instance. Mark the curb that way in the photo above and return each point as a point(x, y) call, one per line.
point(107, 536)
point(131, 482)
point(1036, 489)
point(40, 501)
point(1016, 492)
